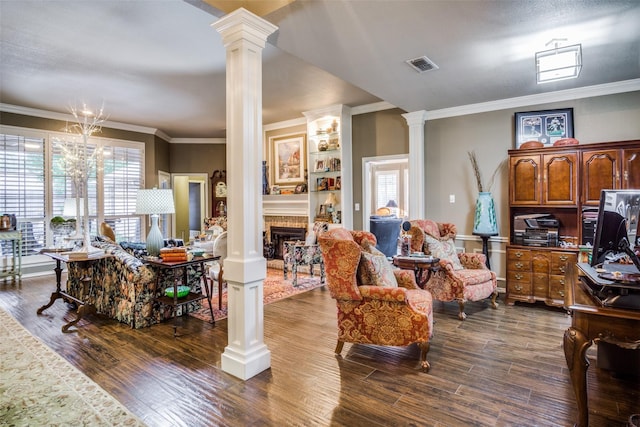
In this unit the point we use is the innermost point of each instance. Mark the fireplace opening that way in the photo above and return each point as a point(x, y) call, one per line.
point(279, 235)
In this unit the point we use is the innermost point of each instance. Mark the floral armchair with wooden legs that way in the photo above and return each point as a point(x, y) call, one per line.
point(376, 304)
point(461, 277)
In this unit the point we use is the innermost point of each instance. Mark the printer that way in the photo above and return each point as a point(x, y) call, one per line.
point(535, 230)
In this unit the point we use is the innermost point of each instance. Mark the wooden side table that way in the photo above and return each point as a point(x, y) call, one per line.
point(85, 306)
point(421, 266)
point(15, 237)
point(171, 268)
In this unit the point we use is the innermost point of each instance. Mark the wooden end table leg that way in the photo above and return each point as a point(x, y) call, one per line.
point(57, 293)
point(575, 345)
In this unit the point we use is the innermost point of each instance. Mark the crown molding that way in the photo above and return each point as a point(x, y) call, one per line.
point(198, 141)
point(372, 108)
point(34, 112)
point(542, 98)
point(284, 124)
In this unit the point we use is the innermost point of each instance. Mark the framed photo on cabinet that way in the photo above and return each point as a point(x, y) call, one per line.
point(288, 159)
point(547, 126)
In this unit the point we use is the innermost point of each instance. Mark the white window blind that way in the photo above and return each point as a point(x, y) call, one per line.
point(122, 176)
point(22, 188)
point(387, 187)
point(35, 189)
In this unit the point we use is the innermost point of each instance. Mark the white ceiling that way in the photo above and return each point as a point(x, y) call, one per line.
point(159, 64)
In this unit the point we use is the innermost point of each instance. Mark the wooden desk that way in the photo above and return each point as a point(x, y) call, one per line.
point(166, 267)
point(15, 237)
point(421, 266)
point(591, 323)
point(85, 307)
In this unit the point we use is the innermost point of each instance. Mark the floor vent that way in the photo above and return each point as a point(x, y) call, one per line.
point(422, 64)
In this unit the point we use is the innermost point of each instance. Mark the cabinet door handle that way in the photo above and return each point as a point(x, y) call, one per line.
point(561, 293)
point(519, 254)
point(518, 288)
point(563, 257)
point(519, 265)
point(626, 175)
point(562, 269)
point(562, 281)
point(519, 276)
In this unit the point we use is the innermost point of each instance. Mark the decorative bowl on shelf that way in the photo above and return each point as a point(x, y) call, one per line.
point(183, 291)
point(197, 252)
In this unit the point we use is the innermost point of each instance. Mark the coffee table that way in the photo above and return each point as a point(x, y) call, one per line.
point(422, 266)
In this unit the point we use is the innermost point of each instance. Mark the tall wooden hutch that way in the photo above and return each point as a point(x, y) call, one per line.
point(563, 182)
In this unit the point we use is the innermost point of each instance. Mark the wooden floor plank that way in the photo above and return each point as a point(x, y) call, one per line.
point(501, 367)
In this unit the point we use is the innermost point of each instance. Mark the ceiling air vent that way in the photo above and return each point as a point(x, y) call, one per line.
point(422, 64)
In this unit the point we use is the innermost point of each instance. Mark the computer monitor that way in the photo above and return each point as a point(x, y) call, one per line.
point(617, 225)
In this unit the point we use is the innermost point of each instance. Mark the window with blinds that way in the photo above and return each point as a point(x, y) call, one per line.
point(22, 188)
point(29, 184)
point(387, 185)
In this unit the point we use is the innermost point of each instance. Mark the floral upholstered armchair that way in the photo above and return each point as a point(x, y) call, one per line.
point(376, 304)
point(461, 277)
point(308, 253)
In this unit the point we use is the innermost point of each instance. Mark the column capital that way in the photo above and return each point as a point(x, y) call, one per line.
point(242, 25)
point(415, 117)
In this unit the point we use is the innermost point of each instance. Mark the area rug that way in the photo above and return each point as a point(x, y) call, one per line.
point(275, 289)
point(40, 388)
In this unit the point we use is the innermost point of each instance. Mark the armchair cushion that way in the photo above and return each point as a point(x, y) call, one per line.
point(376, 270)
point(443, 249)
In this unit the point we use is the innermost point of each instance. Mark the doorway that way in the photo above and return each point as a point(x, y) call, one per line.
point(192, 204)
point(385, 183)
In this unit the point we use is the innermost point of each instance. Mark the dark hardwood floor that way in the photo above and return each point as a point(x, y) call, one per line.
point(500, 367)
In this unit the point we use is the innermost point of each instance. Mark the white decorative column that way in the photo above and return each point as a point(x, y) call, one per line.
point(416, 120)
point(244, 35)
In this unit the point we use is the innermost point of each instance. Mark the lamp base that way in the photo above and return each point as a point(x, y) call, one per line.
point(155, 241)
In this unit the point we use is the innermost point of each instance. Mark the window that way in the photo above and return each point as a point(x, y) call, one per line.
point(387, 187)
point(35, 190)
point(22, 188)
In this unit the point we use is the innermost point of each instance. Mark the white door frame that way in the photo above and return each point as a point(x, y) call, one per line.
point(367, 162)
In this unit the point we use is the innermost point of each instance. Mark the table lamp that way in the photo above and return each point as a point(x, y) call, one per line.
point(154, 202)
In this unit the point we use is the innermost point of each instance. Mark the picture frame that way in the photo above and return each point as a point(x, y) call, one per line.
point(546, 126)
point(322, 184)
point(323, 210)
point(300, 189)
point(288, 159)
point(320, 167)
point(338, 183)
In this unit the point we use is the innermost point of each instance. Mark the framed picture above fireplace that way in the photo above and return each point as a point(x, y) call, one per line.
point(288, 159)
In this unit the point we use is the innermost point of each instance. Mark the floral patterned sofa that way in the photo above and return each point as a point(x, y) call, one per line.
point(127, 288)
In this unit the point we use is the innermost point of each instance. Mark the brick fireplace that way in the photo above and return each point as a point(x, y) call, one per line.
point(281, 228)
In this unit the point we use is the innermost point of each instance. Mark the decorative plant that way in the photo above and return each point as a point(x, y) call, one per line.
point(78, 161)
point(478, 175)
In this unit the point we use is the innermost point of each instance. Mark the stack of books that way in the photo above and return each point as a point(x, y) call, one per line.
point(173, 254)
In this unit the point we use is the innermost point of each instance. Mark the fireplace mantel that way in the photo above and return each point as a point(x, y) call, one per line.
point(285, 205)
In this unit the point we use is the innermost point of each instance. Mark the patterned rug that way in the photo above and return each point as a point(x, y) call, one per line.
point(275, 289)
point(40, 388)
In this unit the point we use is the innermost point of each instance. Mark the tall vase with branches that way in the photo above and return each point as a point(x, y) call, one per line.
point(485, 221)
point(79, 162)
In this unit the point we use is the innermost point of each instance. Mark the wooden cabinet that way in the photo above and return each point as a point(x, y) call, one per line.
point(560, 181)
point(537, 274)
point(544, 178)
point(609, 169)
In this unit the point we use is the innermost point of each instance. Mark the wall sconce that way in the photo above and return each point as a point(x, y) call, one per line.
point(559, 63)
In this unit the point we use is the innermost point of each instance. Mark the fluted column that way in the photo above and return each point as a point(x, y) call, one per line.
point(416, 120)
point(244, 35)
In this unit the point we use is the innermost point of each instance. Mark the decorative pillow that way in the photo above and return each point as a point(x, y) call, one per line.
point(374, 268)
point(443, 249)
point(371, 248)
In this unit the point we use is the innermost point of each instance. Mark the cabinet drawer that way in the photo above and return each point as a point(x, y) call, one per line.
point(519, 283)
point(556, 287)
point(518, 255)
point(540, 285)
point(519, 265)
point(560, 260)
